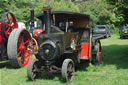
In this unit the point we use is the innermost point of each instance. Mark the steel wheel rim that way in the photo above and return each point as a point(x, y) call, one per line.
point(9, 23)
point(34, 45)
point(70, 72)
point(23, 53)
point(99, 53)
point(34, 72)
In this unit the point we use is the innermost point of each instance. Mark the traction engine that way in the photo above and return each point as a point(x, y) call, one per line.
point(16, 45)
point(65, 42)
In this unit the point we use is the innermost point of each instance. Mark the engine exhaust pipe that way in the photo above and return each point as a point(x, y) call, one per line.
point(32, 18)
point(47, 19)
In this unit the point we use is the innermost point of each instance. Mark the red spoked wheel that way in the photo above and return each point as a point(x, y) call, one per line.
point(18, 48)
point(8, 23)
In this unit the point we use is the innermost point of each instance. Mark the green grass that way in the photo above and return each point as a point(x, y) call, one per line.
point(112, 71)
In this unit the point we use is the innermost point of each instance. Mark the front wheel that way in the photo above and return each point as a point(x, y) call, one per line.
point(33, 72)
point(68, 70)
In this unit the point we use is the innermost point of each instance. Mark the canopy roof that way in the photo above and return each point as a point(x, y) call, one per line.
point(66, 14)
point(79, 19)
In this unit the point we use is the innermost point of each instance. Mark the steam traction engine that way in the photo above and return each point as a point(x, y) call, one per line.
point(15, 44)
point(65, 41)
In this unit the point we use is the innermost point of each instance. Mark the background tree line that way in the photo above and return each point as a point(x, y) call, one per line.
point(111, 12)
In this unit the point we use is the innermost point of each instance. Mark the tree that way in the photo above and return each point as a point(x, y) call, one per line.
point(21, 8)
point(120, 9)
point(98, 10)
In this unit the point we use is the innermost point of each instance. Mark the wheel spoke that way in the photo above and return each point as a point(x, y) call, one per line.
point(34, 70)
point(33, 75)
point(20, 59)
point(26, 42)
point(19, 53)
point(35, 67)
point(24, 60)
point(18, 48)
point(6, 24)
point(70, 68)
point(72, 74)
point(8, 18)
point(11, 21)
point(27, 54)
point(8, 30)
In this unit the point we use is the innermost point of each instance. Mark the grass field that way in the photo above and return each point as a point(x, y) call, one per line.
point(112, 71)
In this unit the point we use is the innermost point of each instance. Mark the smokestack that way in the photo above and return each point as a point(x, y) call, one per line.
point(31, 17)
point(47, 19)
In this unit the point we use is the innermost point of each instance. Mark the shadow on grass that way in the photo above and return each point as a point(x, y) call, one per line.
point(6, 64)
point(82, 66)
point(115, 55)
point(49, 76)
point(58, 75)
point(125, 38)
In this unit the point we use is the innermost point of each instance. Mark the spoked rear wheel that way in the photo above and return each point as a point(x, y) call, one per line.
point(68, 70)
point(33, 72)
point(18, 49)
point(96, 59)
point(8, 23)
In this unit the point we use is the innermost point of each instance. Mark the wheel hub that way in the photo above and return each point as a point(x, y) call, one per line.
point(22, 47)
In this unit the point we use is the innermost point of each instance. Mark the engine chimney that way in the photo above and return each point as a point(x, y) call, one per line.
point(32, 21)
point(47, 19)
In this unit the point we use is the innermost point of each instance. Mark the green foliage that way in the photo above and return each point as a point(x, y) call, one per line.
point(120, 9)
point(56, 5)
point(21, 8)
point(97, 9)
point(3, 6)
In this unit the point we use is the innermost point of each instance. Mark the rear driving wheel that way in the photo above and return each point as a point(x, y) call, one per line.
point(33, 72)
point(96, 60)
point(68, 70)
point(8, 23)
point(18, 48)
